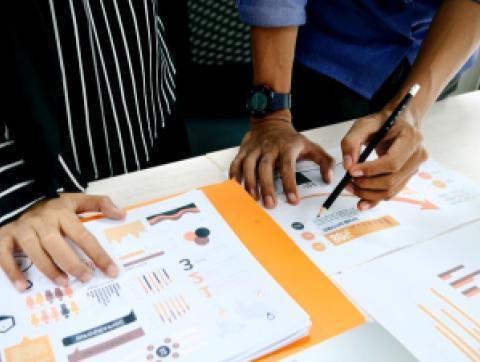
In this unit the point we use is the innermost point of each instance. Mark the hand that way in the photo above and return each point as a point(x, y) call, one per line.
point(275, 143)
point(40, 233)
point(400, 154)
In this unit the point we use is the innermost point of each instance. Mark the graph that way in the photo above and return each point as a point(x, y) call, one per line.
point(172, 309)
point(355, 231)
point(104, 294)
point(455, 325)
point(154, 282)
point(38, 349)
point(143, 259)
point(463, 282)
point(118, 233)
point(83, 354)
point(174, 214)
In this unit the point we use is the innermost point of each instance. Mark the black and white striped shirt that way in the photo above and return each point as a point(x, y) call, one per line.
point(91, 91)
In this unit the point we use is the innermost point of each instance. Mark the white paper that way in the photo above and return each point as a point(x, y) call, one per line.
point(368, 342)
point(427, 296)
point(435, 200)
point(188, 291)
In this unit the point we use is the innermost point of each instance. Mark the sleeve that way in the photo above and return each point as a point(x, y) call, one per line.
point(272, 13)
point(18, 189)
point(27, 127)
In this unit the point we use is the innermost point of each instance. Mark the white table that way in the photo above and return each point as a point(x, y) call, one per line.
point(452, 136)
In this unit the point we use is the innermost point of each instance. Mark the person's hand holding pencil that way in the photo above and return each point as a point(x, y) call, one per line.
point(399, 151)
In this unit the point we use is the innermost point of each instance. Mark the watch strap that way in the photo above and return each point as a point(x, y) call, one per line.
point(281, 101)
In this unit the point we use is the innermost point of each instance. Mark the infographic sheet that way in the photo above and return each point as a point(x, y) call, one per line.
point(427, 296)
point(188, 290)
point(435, 200)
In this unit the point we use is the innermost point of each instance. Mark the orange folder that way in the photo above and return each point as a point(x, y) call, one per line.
point(330, 311)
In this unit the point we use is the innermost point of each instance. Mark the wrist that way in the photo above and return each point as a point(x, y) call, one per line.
point(284, 116)
point(417, 108)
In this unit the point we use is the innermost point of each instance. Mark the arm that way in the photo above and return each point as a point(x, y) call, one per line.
point(33, 218)
point(453, 36)
point(273, 141)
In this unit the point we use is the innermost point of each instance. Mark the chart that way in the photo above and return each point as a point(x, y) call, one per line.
point(426, 295)
point(435, 200)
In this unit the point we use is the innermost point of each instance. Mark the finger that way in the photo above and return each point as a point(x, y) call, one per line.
point(74, 230)
point(287, 172)
point(357, 136)
point(318, 155)
point(38, 256)
point(103, 204)
point(364, 205)
point(62, 254)
point(397, 155)
point(249, 173)
point(235, 171)
point(379, 183)
point(370, 196)
point(8, 264)
point(265, 173)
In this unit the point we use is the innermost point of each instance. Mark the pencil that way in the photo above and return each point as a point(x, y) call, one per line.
point(377, 137)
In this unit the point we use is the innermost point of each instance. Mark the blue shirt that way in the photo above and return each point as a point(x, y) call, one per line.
point(356, 42)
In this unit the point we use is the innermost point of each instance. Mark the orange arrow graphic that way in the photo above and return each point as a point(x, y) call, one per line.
point(425, 204)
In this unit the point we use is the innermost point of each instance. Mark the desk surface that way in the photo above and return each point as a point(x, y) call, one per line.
point(451, 131)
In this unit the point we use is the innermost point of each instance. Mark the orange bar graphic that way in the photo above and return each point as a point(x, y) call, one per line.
point(461, 325)
point(456, 343)
point(355, 231)
point(454, 306)
point(471, 292)
point(131, 255)
point(449, 330)
point(448, 274)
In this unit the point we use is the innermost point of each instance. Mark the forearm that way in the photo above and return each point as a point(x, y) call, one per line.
point(453, 36)
point(273, 52)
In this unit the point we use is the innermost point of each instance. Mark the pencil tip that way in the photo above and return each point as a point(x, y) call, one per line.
point(323, 210)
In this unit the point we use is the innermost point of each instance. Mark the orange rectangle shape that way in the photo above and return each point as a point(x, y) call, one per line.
point(355, 231)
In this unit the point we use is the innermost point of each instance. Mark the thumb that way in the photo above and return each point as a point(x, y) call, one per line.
point(103, 204)
point(357, 136)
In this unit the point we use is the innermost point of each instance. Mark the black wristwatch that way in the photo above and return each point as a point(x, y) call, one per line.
point(262, 101)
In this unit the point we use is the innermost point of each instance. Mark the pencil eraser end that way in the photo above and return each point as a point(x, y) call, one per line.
point(414, 90)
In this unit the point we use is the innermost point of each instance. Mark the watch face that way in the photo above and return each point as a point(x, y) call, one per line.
point(258, 101)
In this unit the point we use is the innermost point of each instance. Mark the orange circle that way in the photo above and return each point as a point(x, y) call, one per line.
point(190, 236)
point(424, 175)
point(307, 235)
point(318, 246)
point(439, 184)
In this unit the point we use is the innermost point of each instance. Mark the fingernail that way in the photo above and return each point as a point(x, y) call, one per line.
point(19, 285)
point(357, 173)
point(364, 206)
point(269, 204)
point(253, 193)
point(85, 278)
point(61, 281)
point(349, 188)
point(112, 271)
point(292, 197)
point(347, 162)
